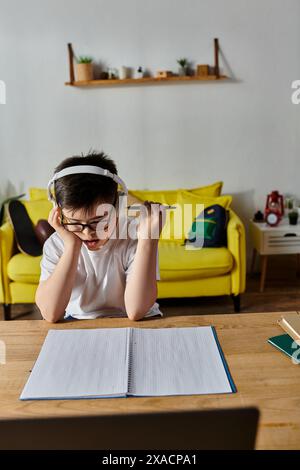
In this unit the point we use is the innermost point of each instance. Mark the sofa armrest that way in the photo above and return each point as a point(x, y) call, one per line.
point(236, 242)
point(6, 252)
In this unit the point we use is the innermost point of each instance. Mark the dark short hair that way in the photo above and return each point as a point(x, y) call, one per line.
point(82, 191)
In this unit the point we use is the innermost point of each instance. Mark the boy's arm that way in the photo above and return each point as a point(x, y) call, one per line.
point(141, 288)
point(53, 295)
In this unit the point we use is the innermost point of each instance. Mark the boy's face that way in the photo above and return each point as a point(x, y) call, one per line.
point(72, 217)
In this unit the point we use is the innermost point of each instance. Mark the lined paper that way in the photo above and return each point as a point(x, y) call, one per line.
point(80, 364)
point(116, 362)
point(176, 361)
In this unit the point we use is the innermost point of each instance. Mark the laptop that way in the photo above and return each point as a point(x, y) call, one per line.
point(175, 430)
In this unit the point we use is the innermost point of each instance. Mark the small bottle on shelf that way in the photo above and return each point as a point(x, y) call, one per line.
point(139, 72)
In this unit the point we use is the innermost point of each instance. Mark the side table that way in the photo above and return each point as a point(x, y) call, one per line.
point(283, 239)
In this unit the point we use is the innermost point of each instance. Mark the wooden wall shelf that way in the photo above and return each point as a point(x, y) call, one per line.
point(146, 80)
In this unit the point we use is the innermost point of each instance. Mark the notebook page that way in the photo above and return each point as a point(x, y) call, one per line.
point(80, 364)
point(176, 361)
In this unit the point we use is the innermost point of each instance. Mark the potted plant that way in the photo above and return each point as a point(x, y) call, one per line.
point(293, 217)
point(183, 67)
point(84, 68)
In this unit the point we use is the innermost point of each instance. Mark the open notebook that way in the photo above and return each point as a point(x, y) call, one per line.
point(119, 362)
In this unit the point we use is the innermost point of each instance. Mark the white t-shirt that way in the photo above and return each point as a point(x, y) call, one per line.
point(100, 281)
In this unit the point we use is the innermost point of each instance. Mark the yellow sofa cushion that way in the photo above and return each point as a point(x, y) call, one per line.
point(24, 268)
point(176, 262)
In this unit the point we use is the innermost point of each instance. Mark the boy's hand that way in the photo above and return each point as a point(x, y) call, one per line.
point(152, 219)
point(69, 238)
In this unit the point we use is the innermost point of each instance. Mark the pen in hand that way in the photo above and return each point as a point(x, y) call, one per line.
point(133, 207)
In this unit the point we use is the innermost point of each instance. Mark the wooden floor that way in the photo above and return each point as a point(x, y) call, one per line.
point(282, 293)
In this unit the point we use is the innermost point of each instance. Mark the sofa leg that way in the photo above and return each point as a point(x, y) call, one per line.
point(7, 311)
point(236, 302)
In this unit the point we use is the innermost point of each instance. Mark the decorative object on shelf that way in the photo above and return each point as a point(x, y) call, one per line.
point(202, 70)
point(293, 217)
point(123, 72)
point(145, 77)
point(84, 68)
point(217, 51)
point(139, 72)
point(164, 73)
point(183, 67)
point(258, 217)
point(104, 75)
point(274, 210)
point(113, 73)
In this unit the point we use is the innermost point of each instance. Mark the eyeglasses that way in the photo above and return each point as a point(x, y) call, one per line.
point(78, 227)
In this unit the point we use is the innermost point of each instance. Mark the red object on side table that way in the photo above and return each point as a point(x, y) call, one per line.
point(274, 210)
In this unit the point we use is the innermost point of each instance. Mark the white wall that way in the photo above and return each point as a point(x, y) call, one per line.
point(245, 132)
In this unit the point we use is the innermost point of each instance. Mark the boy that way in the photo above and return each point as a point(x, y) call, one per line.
point(84, 275)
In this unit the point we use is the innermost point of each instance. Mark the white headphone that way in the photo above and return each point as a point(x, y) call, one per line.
point(73, 170)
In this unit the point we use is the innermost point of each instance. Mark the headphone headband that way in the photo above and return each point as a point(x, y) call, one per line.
point(95, 170)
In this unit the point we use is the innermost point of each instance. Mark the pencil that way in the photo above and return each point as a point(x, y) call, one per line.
point(138, 207)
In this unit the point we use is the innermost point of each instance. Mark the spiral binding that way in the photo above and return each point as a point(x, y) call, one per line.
point(129, 355)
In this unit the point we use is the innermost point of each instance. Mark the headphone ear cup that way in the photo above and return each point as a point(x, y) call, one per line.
point(51, 193)
point(53, 200)
point(121, 194)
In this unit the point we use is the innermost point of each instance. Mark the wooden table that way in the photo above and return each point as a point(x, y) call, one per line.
point(264, 377)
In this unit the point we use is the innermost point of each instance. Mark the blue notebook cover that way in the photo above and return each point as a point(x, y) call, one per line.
point(233, 387)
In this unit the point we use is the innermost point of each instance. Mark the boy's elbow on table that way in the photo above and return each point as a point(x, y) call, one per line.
point(51, 317)
point(135, 315)
point(138, 313)
point(48, 312)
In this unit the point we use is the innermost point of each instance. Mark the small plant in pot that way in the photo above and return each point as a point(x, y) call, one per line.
point(183, 67)
point(293, 217)
point(84, 68)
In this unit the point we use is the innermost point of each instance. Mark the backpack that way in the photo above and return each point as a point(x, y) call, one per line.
point(209, 229)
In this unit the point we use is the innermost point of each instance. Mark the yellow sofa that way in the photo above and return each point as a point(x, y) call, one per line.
point(184, 273)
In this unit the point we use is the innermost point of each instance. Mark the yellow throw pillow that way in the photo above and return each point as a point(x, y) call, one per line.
point(212, 190)
point(189, 206)
point(36, 194)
